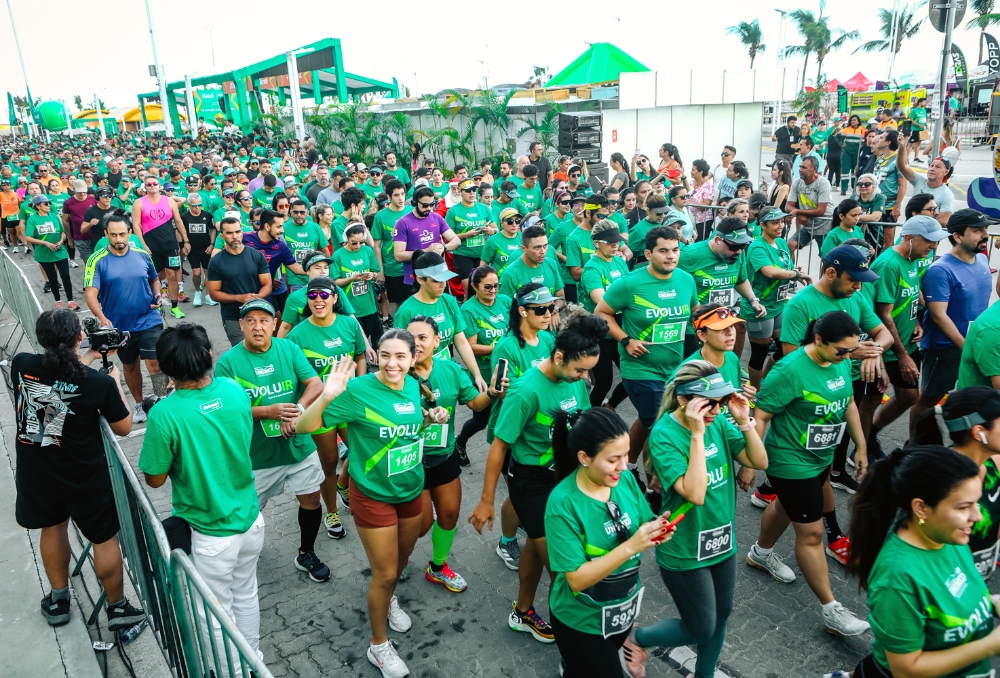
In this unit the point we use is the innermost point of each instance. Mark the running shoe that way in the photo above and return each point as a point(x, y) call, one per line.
point(405, 574)
point(918, 160)
point(463, 455)
point(309, 563)
point(841, 622)
point(28, 249)
point(446, 577)
point(138, 414)
point(530, 622)
point(761, 500)
point(633, 658)
point(398, 620)
point(197, 299)
point(345, 495)
point(844, 481)
point(839, 550)
point(59, 304)
point(510, 553)
point(334, 528)
point(124, 615)
point(209, 301)
point(73, 264)
point(772, 564)
point(385, 658)
point(73, 306)
point(14, 250)
point(47, 288)
point(182, 297)
point(177, 313)
point(56, 612)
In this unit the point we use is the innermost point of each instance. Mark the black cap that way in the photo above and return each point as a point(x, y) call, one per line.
point(965, 218)
point(321, 282)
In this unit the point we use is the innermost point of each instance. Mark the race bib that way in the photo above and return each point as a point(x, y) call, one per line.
point(986, 560)
point(822, 436)
point(715, 542)
point(619, 618)
point(435, 435)
point(443, 354)
point(668, 333)
point(405, 458)
point(475, 241)
point(359, 288)
point(727, 297)
point(302, 254)
point(272, 427)
point(913, 310)
point(173, 261)
point(46, 229)
point(198, 229)
point(785, 291)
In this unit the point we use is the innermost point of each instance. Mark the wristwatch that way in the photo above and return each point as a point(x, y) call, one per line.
point(625, 342)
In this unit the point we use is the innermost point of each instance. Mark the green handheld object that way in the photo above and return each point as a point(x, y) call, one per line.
point(678, 515)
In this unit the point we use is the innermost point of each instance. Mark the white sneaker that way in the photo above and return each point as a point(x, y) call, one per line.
point(197, 299)
point(772, 564)
point(398, 620)
point(841, 622)
point(388, 662)
point(14, 250)
point(73, 264)
point(138, 415)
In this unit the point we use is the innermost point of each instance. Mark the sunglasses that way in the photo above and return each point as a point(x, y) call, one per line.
point(246, 197)
point(846, 351)
point(512, 220)
point(425, 205)
point(190, 204)
point(720, 313)
point(151, 184)
point(726, 154)
point(614, 202)
point(299, 212)
point(542, 310)
point(721, 403)
point(682, 197)
point(617, 520)
point(319, 294)
point(490, 288)
point(575, 174)
point(564, 202)
point(864, 184)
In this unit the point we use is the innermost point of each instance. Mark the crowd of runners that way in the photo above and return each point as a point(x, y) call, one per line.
point(366, 306)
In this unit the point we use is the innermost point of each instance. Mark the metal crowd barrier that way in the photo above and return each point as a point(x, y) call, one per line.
point(17, 295)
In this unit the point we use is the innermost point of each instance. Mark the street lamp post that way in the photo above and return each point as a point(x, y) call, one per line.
point(942, 84)
point(24, 69)
point(776, 117)
point(161, 82)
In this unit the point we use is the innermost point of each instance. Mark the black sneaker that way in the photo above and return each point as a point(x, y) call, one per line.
point(463, 457)
point(844, 481)
point(875, 451)
point(56, 612)
point(123, 616)
point(47, 288)
point(309, 563)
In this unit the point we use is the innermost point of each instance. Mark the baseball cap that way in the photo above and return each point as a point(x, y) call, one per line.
point(508, 212)
point(192, 180)
point(228, 192)
point(610, 236)
point(850, 259)
point(736, 235)
point(377, 169)
point(39, 199)
point(79, 186)
point(662, 209)
point(168, 186)
point(712, 386)
point(466, 185)
point(318, 258)
point(539, 296)
point(773, 214)
point(289, 181)
point(512, 193)
point(256, 305)
point(744, 182)
point(717, 319)
point(105, 192)
point(964, 218)
point(925, 227)
point(438, 272)
point(321, 282)
point(477, 173)
point(361, 167)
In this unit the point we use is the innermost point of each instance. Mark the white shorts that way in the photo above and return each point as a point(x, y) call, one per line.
point(303, 477)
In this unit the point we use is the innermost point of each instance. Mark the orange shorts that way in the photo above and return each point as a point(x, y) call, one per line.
point(371, 513)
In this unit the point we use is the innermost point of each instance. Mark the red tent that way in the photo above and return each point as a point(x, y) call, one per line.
point(859, 83)
point(831, 86)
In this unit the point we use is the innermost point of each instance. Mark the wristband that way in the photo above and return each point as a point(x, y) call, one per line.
point(751, 423)
point(302, 410)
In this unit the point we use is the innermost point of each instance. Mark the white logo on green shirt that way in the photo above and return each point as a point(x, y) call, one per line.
point(211, 406)
point(835, 384)
point(404, 408)
point(264, 371)
point(957, 583)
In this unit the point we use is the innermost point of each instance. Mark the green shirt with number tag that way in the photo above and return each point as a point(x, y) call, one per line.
point(47, 229)
point(445, 312)
point(462, 219)
point(301, 240)
point(655, 311)
point(324, 346)
point(451, 386)
point(382, 230)
point(808, 403)
point(360, 292)
point(275, 376)
point(899, 286)
point(773, 293)
point(488, 324)
point(715, 277)
point(707, 535)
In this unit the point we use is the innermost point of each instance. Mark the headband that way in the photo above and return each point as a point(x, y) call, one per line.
point(961, 423)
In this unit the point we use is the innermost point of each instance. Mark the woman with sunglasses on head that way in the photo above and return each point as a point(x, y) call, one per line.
point(561, 202)
point(692, 450)
point(597, 590)
point(448, 386)
point(384, 423)
point(808, 401)
point(525, 428)
point(505, 245)
point(327, 335)
point(431, 276)
point(488, 313)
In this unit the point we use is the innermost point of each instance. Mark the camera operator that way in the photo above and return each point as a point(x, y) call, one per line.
point(123, 291)
point(61, 469)
point(199, 436)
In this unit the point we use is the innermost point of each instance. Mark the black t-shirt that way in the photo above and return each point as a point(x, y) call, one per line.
point(199, 229)
point(786, 138)
point(635, 215)
point(58, 444)
point(312, 156)
point(114, 178)
point(544, 167)
point(238, 273)
point(312, 192)
point(97, 230)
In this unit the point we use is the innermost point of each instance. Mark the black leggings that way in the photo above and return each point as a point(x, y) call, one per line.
point(869, 668)
point(371, 325)
point(604, 376)
point(473, 425)
point(62, 266)
point(833, 170)
point(588, 654)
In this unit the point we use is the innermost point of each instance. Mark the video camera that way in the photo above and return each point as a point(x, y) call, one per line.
point(104, 339)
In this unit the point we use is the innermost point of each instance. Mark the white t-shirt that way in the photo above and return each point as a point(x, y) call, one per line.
point(943, 196)
point(718, 174)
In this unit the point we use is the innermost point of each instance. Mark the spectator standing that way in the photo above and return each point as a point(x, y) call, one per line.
point(237, 274)
point(787, 140)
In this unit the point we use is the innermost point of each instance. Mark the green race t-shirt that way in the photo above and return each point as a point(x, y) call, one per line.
point(579, 248)
point(518, 273)
point(531, 198)
point(838, 236)
point(552, 222)
point(707, 535)
point(48, 229)
point(927, 600)
point(462, 219)
point(519, 360)
point(499, 250)
point(262, 198)
point(383, 434)
point(324, 346)
point(809, 407)
point(656, 311)
point(488, 324)
point(399, 173)
point(269, 378)
point(445, 313)
point(981, 352)
point(578, 529)
point(637, 237)
point(557, 243)
point(301, 240)
point(297, 302)
point(714, 276)
point(347, 263)
point(202, 437)
point(598, 274)
point(899, 286)
point(451, 385)
point(525, 421)
point(773, 293)
point(382, 230)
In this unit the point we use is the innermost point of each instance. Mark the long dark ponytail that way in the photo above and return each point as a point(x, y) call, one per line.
point(926, 472)
point(58, 331)
point(589, 431)
point(980, 400)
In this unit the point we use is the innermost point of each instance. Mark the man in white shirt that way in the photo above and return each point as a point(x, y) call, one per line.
point(719, 171)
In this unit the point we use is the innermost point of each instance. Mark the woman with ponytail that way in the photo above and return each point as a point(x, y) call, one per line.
point(972, 417)
point(595, 568)
point(930, 611)
point(692, 448)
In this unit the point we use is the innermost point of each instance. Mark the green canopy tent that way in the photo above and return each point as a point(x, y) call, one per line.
point(602, 62)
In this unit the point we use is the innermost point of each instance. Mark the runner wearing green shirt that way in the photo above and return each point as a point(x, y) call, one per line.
point(316, 265)
point(533, 266)
point(561, 201)
point(354, 268)
point(980, 364)
point(918, 114)
point(264, 196)
point(806, 398)
point(384, 423)
point(473, 223)
point(657, 213)
point(373, 186)
point(529, 192)
point(579, 246)
point(395, 171)
point(302, 237)
point(692, 450)
point(558, 238)
point(525, 427)
point(45, 231)
point(848, 213)
point(280, 382)
point(382, 230)
point(507, 197)
point(598, 525)
point(449, 386)
point(504, 245)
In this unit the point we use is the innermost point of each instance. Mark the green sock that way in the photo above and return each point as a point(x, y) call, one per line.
point(441, 540)
point(506, 540)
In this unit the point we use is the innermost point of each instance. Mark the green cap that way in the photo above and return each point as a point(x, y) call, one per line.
point(257, 305)
point(712, 386)
point(773, 214)
point(539, 296)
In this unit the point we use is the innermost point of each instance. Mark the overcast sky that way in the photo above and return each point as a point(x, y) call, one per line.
point(79, 48)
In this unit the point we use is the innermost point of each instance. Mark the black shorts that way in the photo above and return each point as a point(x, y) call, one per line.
point(915, 136)
point(939, 371)
point(165, 259)
point(870, 668)
point(896, 377)
point(278, 300)
point(802, 498)
point(140, 344)
point(396, 290)
point(529, 489)
point(93, 511)
point(464, 265)
point(199, 258)
point(443, 472)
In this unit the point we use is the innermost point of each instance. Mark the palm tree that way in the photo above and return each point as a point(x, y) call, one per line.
point(78, 102)
point(751, 37)
point(819, 38)
point(985, 17)
point(907, 26)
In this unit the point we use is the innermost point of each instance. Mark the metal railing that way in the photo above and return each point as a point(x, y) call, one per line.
point(973, 130)
point(17, 296)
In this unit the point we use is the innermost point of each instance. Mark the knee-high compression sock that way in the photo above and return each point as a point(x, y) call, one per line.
point(441, 541)
point(832, 528)
point(309, 522)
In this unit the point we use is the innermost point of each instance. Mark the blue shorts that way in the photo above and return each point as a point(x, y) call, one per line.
point(645, 395)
